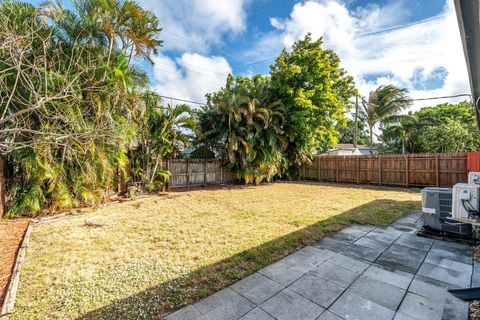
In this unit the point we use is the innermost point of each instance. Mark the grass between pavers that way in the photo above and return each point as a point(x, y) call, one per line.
point(162, 252)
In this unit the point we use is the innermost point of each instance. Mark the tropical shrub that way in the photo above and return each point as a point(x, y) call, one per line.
point(70, 97)
point(244, 123)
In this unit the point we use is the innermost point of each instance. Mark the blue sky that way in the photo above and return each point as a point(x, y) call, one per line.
point(207, 39)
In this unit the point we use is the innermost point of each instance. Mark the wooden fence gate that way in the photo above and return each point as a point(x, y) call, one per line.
point(424, 169)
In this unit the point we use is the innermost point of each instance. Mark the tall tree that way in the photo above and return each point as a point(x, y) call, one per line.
point(316, 92)
point(382, 105)
point(243, 123)
point(69, 98)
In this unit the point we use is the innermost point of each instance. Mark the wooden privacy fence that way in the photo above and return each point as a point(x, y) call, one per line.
point(424, 169)
point(189, 172)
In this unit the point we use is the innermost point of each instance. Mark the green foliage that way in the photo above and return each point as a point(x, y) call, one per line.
point(316, 91)
point(451, 136)
point(73, 97)
point(346, 134)
point(383, 106)
point(442, 128)
point(162, 133)
point(267, 126)
point(244, 123)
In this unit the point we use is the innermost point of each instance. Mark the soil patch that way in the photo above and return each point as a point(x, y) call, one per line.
point(11, 235)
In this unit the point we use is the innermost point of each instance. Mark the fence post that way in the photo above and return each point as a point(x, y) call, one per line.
point(168, 169)
point(406, 171)
point(380, 170)
point(437, 169)
point(319, 169)
point(221, 173)
point(188, 173)
point(205, 172)
point(358, 169)
point(3, 187)
point(336, 169)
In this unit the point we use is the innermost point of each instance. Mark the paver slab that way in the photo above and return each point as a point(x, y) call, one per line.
point(288, 305)
point(224, 305)
point(284, 272)
point(431, 288)
point(476, 275)
point(316, 289)
point(327, 315)
point(372, 243)
point(362, 252)
point(378, 291)
point(450, 276)
point(453, 255)
point(352, 233)
point(338, 275)
point(384, 234)
point(353, 264)
point(401, 316)
point(421, 308)
point(352, 306)
point(414, 242)
point(257, 314)
point(444, 262)
point(257, 288)
point(392, 276)
point(453, 247)
point(331, 244)
point(455, 309)
point(187, 313)
point(402, 258)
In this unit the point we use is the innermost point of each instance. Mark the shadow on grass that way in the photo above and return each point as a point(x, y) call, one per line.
point(155, 302)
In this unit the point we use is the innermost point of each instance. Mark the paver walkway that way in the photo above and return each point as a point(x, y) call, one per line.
point(360, 272)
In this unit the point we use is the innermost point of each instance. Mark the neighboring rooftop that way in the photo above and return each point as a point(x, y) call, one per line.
point(347, 149)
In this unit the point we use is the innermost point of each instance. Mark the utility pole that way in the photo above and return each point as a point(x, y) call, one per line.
point(355, 136)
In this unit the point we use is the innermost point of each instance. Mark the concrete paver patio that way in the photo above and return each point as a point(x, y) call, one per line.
point(360, 272)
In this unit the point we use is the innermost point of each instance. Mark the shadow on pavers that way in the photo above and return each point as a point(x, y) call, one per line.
point(156, 302)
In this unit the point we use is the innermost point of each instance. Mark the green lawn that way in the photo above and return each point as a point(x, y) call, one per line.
point(162, 252)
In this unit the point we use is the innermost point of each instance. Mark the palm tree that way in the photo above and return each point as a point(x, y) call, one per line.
point(383, 103)
point(403, 127)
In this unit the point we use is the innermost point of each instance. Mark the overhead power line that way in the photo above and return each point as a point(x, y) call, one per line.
point(443, 97)
point(183, 100)
point(419, 99)
point(386, 30)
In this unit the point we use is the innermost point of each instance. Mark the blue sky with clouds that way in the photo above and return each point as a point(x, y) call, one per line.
point(409, 43)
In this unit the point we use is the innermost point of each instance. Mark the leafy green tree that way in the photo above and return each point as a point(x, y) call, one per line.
point(315, 90)
point(450, 136)
point(383, 105)
point(346, 134)
point(454, 123)
point(162, 132)
point(400, 134)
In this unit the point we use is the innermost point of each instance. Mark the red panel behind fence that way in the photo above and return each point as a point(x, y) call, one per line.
point(473, 161)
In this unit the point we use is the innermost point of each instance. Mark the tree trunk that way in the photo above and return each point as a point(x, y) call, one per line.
point(403, 145)
point(3, 187)
point(371, 140)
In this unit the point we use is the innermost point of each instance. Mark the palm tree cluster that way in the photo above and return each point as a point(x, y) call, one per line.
point(71, 97)
point(244, 123)
point(383, 106)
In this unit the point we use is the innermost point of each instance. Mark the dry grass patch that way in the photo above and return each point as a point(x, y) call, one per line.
point(158, 253)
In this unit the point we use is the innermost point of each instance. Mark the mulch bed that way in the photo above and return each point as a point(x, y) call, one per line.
point(11, 235)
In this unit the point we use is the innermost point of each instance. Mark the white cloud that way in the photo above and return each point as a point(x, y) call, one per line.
point(196, 25)
point(401, 54)
point(189, 77)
